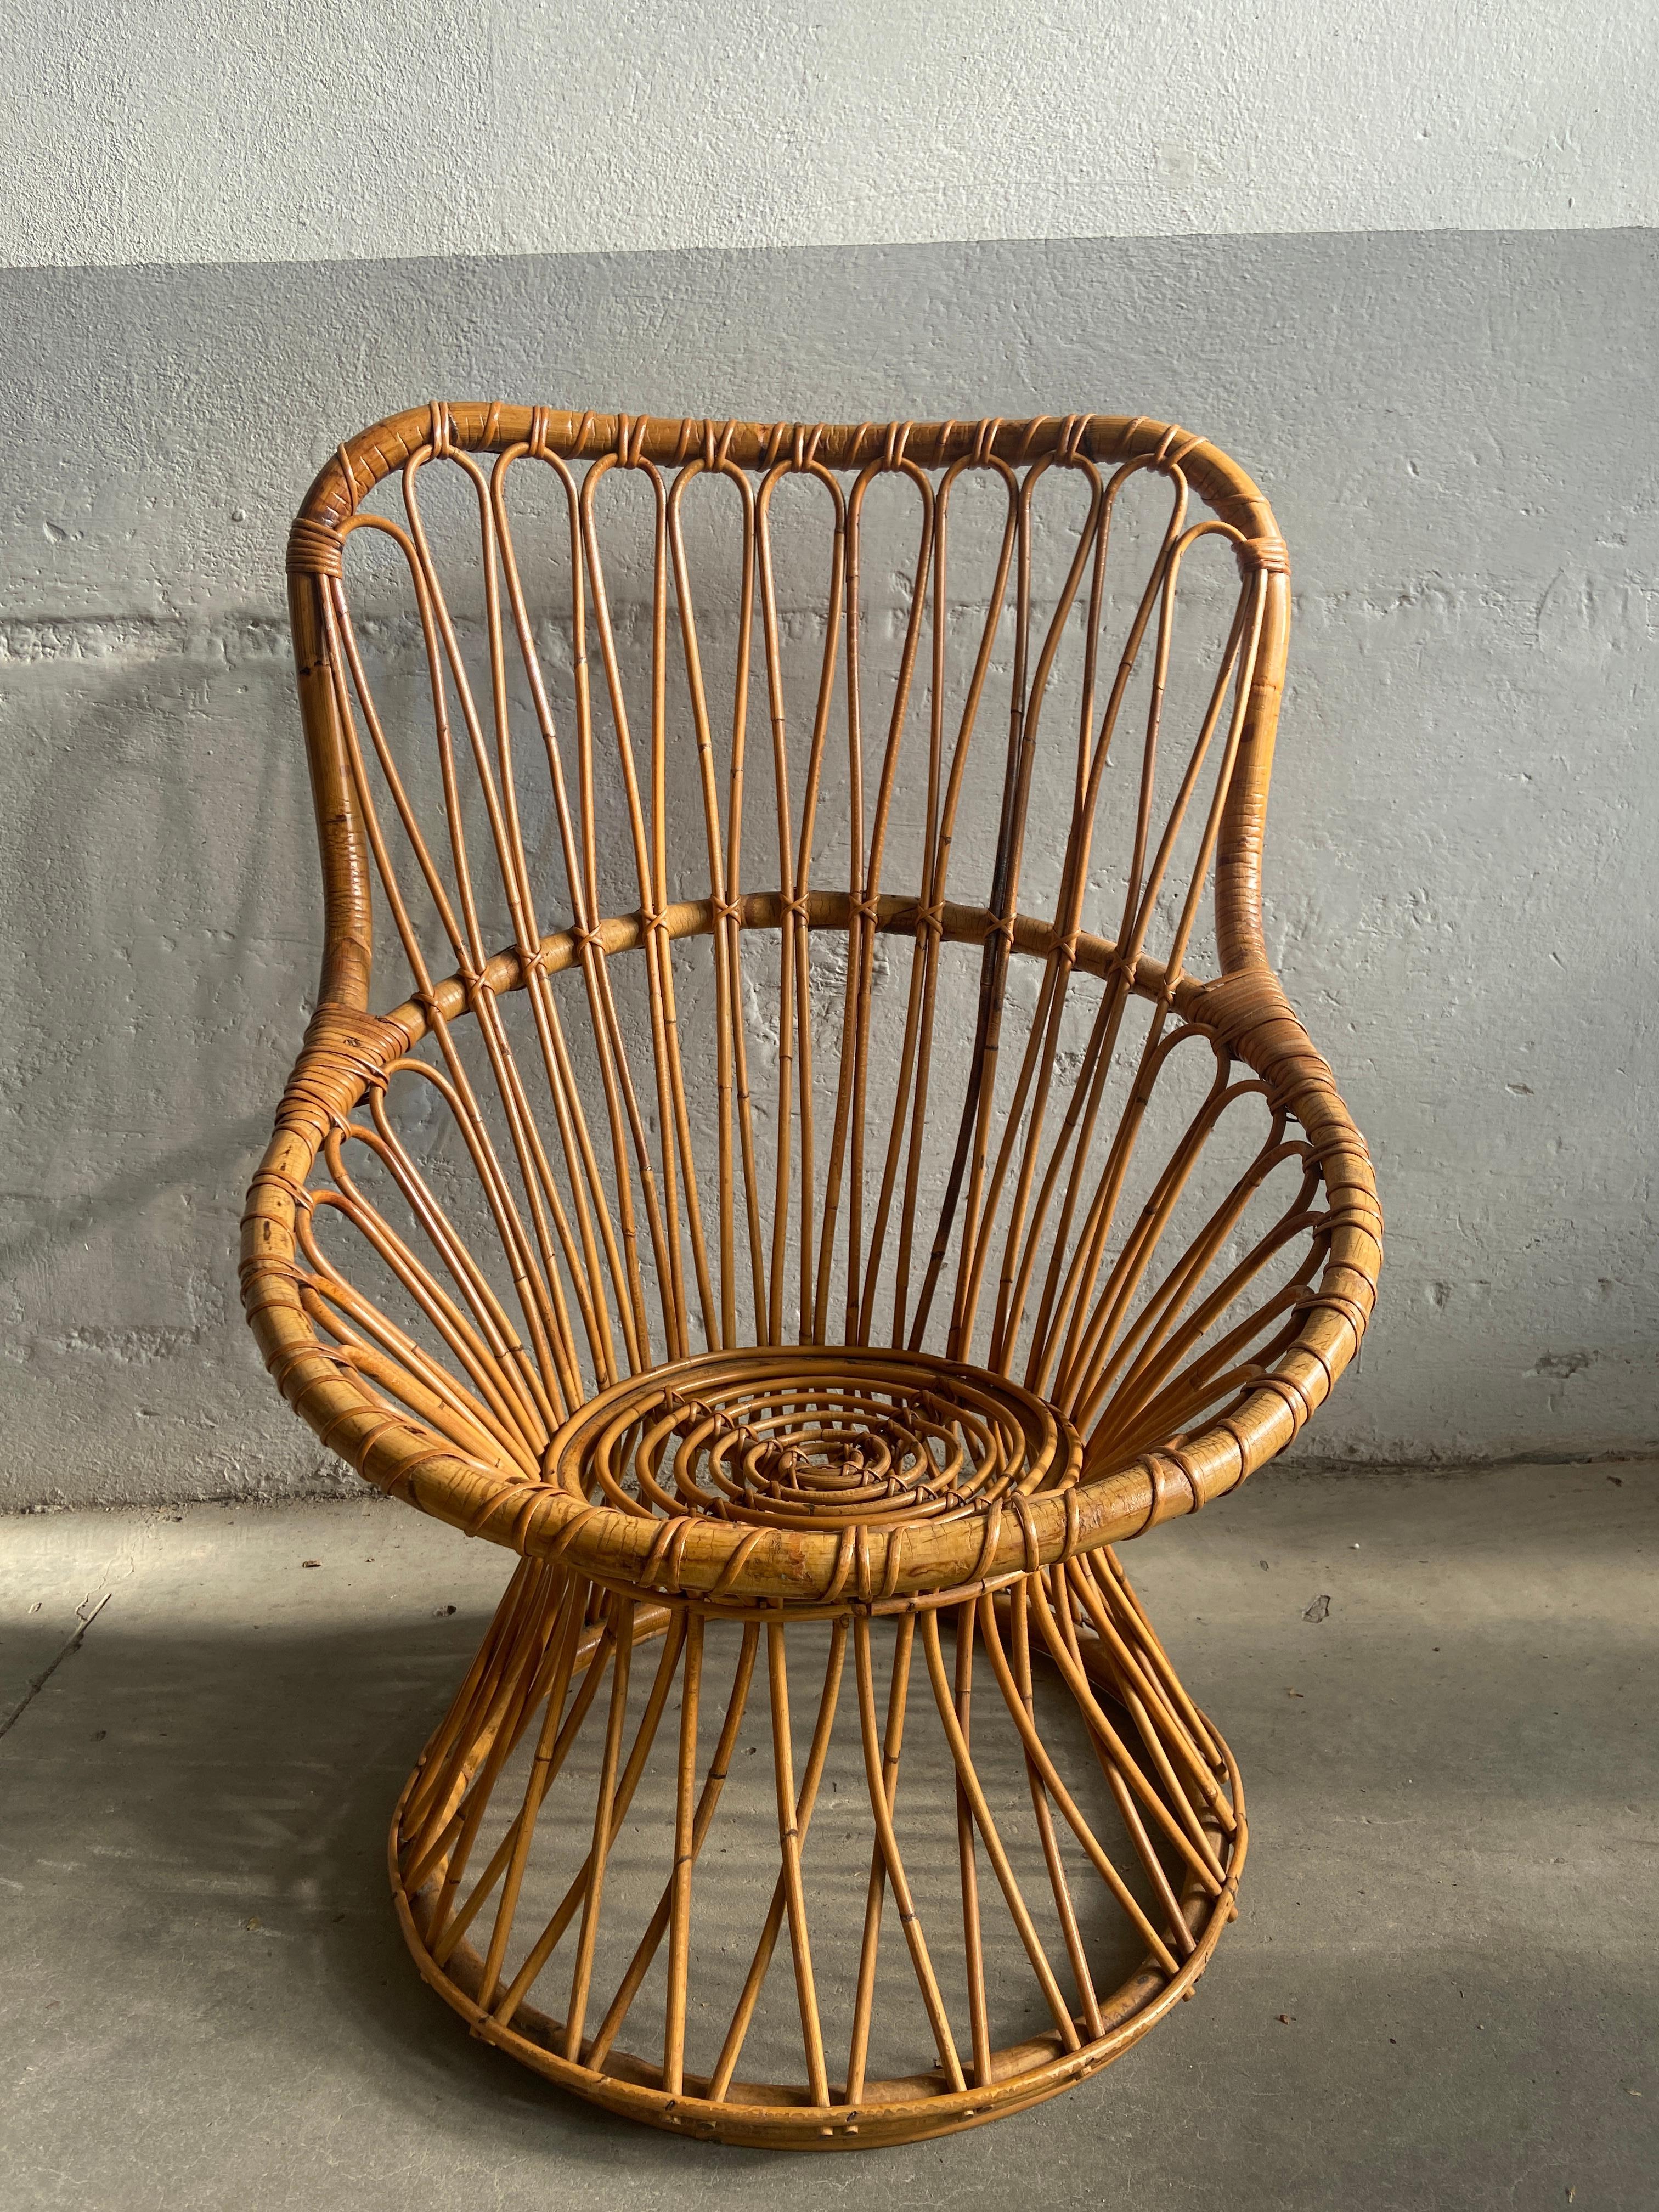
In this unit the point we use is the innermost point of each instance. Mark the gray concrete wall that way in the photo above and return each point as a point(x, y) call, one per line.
point(1457, 434)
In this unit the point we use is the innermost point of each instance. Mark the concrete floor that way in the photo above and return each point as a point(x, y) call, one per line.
point(1451, 1891)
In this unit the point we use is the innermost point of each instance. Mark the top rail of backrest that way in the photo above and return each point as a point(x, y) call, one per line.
point(491, 425)
point(439, 427)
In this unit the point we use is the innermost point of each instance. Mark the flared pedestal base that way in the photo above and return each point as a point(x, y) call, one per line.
point(687, 1884)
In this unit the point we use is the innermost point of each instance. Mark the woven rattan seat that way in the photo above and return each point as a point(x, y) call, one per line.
point(801, 1141)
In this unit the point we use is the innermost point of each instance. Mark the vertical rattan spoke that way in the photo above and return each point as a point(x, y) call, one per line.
point(586, 1888)
point(909, 1920)
point(968, 1778)
point(876, 1890)
point(972, 1933)
point(1020, 1645)
point(445, 1810)
point(732, 2048)
point(604, 1830)
point(719, 1768)
point(508, 1865)
point(1179, 1826)
point(794, 1891)
point(1037, 1752)
point(679, 1931)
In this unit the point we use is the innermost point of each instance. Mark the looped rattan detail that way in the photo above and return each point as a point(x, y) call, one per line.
point(1070, 447)
point(315, 549)
point(1174, 1490)
point(898, 437)
point(1272, 555)
point(344, 1054)
point(1174, 446)
point(842, 1161)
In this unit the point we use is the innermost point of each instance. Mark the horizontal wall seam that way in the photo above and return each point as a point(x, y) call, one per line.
point(839, 249)
point(136, 639)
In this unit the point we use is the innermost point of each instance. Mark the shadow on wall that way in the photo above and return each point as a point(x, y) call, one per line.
point(156, 839)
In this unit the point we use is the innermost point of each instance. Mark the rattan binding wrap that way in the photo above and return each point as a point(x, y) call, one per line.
point(729, 1370)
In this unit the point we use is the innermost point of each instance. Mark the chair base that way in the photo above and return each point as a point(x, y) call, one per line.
point(443, 1820)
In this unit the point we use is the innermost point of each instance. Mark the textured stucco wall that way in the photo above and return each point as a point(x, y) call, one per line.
point(337, 129)
point(1456, 433)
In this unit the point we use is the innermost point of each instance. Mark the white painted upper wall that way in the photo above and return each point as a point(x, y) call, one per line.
point(196, 131)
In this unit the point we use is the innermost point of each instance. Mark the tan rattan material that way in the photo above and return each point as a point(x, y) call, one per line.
point(838, 1161)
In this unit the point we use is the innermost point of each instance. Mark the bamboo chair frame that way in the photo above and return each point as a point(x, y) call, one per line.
point(780, 1381)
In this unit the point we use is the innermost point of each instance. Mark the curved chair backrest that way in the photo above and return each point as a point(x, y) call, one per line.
point(822, 904)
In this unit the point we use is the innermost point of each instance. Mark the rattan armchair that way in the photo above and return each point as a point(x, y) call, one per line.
point(831, 1161)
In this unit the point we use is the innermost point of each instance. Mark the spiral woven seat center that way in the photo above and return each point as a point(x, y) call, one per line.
point(819, 1439)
